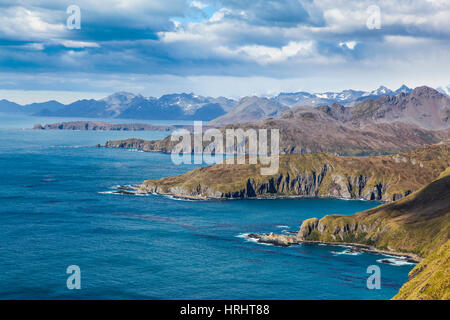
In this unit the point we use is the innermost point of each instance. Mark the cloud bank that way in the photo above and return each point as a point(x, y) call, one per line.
point(259, 46)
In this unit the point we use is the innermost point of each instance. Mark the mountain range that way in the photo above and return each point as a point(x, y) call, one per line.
point(387, 124)
point(127, 105)
point(188, 106)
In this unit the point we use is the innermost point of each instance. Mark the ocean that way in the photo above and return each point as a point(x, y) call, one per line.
point(57, 210)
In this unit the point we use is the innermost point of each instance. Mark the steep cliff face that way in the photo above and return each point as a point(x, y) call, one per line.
point(382, 178)
point(143, 145)
point(304, 132)
point(279, 186)
point(416, 224)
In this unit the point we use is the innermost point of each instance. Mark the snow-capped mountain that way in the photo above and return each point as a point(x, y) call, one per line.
point(344, 97)
point(381, 91)
point(119, 101)
point(183, 106)
point(189, 106)
point(444, 90)
point(403, 89)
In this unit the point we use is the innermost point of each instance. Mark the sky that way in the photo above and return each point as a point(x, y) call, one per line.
point(229, 48)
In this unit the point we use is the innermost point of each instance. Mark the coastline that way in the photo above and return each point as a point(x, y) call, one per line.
point(135, 190)
point(275, 238)
point(288, 240)
point(365, 248)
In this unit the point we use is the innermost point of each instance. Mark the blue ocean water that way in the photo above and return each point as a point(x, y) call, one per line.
point(54, 212)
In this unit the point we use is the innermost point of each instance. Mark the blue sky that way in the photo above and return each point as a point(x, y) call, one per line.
point(219, 47)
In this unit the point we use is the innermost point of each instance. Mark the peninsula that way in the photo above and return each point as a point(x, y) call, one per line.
point(380, 178)
point(100, 125)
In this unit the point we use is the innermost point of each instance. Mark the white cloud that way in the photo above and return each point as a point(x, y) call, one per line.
point(242, 39)
point(198, 4)
point(266, 55)
point(349, 44)
point(79, 44)
point(23, 24)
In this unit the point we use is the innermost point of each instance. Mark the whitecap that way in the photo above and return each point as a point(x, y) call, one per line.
point(175, 198)
point(396, 261)
point(107, 192)
point(253, 240)
point(347, 252)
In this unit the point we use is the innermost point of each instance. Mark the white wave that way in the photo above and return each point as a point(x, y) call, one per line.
point(282, 226)
point(247, 238)
point(69, 147)
point(347, 252)
point(107, 192)
point(396, 261)
point(175, 198)
point(122, 194)
point(242, 235)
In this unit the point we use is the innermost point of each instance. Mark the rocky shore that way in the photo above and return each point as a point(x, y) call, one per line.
point(283, 240)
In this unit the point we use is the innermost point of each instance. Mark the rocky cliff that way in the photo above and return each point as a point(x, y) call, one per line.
point(417, 226)
point(383, 178)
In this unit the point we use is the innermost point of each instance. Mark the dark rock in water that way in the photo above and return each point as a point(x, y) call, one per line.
point(386, 261)
point(131, 190)
point(353, 250)
point(275, 239)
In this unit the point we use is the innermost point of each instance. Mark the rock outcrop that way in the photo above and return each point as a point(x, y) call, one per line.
point(280, 240)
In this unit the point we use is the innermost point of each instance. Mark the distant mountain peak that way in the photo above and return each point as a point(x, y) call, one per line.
point(426, 91)
point(444, 90)
point(382, 90)
point(403, 89)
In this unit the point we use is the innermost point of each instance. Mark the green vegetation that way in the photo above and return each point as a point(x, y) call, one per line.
point(430, 279)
